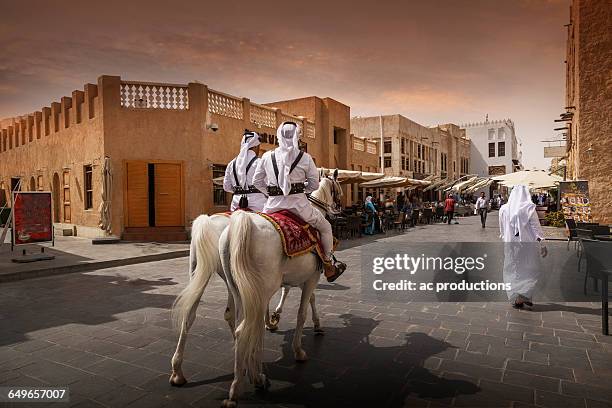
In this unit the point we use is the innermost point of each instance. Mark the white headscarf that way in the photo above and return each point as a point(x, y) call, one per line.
point(288, 135)
point(249, 140)
point(368, 199)
point(518, 210)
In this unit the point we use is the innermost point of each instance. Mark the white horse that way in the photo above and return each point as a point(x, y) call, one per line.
point(255, 267)
point(204, 261)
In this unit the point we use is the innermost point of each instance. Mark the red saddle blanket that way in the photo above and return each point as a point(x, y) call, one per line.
point(298, 236)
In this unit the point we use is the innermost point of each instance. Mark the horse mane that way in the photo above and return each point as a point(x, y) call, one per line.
point(324, 192)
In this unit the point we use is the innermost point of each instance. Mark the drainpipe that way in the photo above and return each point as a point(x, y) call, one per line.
point(382, 146)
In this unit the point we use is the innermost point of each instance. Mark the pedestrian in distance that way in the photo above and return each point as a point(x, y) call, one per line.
point(449, 207)
point(482, 207)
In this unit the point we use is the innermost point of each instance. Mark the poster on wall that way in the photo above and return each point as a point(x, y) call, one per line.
point(575, 202)
point(32, 217)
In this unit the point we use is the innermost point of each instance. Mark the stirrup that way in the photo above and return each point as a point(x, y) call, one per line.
point(337, 267)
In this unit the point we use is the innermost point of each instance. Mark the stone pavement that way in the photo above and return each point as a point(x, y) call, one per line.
point(107, 335)
point(76, 254)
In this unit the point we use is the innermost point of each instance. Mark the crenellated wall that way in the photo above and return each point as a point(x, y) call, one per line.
point(40, 147)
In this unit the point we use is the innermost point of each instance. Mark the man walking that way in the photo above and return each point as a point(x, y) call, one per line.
point(481, 207)
point(449, 207)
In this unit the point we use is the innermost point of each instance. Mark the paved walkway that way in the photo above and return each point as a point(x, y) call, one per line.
point(75, 254)
point(107, 335)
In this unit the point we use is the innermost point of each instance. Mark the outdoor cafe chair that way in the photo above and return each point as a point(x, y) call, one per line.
point(571, 233)
point(414, 218)
point(599, 266)
point(427, 215)
point(399, 221)
point(439, 213)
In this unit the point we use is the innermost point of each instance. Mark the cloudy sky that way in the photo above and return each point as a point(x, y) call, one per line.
point(431, 61)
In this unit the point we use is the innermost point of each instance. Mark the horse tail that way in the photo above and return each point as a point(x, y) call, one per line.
point(205, 243)
point(250, 285)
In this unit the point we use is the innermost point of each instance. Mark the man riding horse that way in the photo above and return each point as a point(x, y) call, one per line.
point(239, 176)
point(288, 174)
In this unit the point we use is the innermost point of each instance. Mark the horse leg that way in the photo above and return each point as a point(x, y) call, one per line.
point(307, 290)
point(230, 313)
point(236, 386)
point(275, 318)
point(177, 378)
point(315, 316)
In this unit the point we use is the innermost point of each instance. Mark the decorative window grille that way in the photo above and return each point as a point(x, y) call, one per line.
point(224, 105)
point(154, 96)
point(288, 118)
point(263, 116)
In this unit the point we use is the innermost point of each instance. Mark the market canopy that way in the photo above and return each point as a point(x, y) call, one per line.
point(352, 176)
point(457, 187)
point(530, 178)
point(392, 181)
point(482, 183)
point(344, 176)
point(436, 184)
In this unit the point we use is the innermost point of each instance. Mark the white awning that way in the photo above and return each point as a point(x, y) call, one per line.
point(352, 176)
point(392, 181)
point(529, 178)
point(457, 187)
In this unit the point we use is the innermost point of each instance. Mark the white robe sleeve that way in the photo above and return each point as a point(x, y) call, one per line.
point(228, 180)
point(534, 224)
point(502, 223)
point(259, 177)
point(312, 176)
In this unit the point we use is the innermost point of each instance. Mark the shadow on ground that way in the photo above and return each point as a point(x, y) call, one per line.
point(345, 369)
point(84, 299)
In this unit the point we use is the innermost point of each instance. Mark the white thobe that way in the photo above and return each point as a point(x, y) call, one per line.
point(521, 254)
point(481, 203)
point(304, 172)
point(256, 200)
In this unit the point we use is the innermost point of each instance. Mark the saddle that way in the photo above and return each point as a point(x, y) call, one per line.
point(298, 236)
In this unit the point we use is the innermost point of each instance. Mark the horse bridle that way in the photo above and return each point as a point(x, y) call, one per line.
point(324, 206)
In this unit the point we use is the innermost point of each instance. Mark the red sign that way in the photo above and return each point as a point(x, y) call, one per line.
point(32, 217)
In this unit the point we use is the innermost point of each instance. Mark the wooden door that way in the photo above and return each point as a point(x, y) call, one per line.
point(137, 182)
point(66, 195)
point(168, 198)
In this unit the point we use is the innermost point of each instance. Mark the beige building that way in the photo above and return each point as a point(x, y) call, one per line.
point(416, 151)
point(163, 143)
point(588, 102)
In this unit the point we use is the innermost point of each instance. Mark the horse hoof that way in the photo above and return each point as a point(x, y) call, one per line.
point(272, 328)
point(301, 356)
point(177, 380)
point(263, 386)
point(227, 403)
point(319, 331)
point(274, 319)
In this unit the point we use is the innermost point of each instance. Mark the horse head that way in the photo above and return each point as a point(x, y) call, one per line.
point(329, 194)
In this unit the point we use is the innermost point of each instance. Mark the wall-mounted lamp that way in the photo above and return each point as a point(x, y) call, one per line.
point(212, 126)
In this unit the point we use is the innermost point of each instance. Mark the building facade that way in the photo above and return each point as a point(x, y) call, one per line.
point(162, 146)
point(495, 148)
point(588, 102)
point(416, 151)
